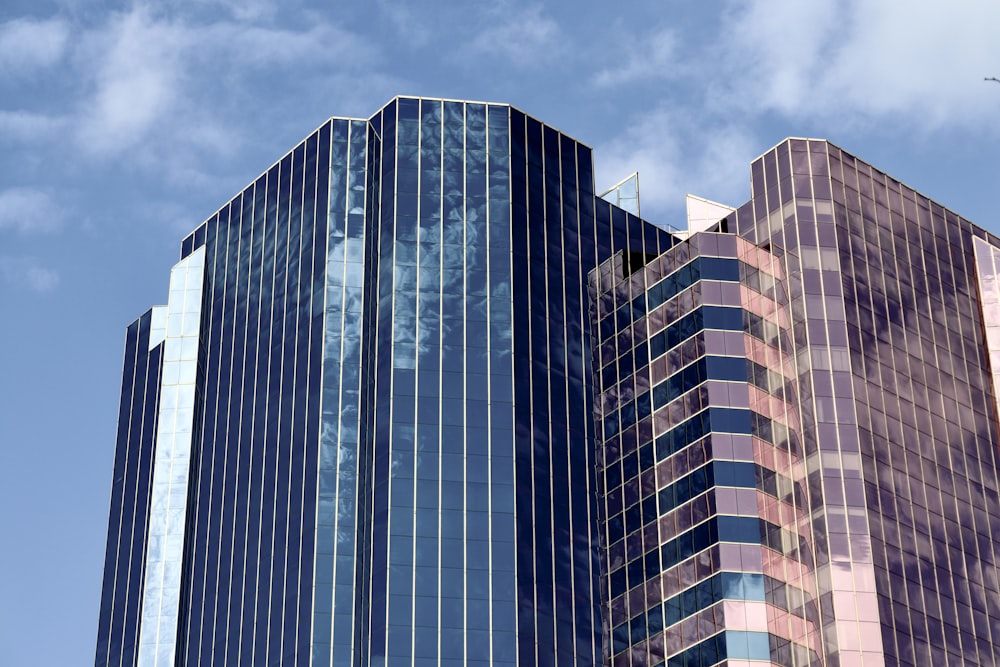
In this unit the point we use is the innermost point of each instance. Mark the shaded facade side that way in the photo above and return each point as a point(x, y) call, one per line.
point(559, 232)
point(250, 555)
point(121, 596)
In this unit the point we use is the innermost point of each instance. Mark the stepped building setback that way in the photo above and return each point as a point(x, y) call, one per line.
point(420, 396)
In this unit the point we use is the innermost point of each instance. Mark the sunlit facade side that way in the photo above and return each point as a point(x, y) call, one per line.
point(121, 596)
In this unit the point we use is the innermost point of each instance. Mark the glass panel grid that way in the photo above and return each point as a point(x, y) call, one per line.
point(162, 587)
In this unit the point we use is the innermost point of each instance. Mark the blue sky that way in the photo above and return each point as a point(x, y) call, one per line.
point(124, 125)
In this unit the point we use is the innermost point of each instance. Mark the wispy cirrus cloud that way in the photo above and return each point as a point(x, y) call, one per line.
point(920, 62)
point(28, 210)
point(28, 44)
point(177, 94)
point(677, 152)
point(892, 66)
point(27, 273)
point(29, 126)
point(655, 55)
point(519, 35)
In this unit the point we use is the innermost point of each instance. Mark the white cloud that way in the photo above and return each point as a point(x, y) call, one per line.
point(168, 77)
point(914, 66)
point(29, 44)
point(26, 272)
point(648, 57)
point(677, 152)
point(919, 61)
point(412, 26)
point(521, 36)
point(29, 210)
point(138, 73)
point(28, 125)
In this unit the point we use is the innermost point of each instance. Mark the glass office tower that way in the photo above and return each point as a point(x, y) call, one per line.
point(360, 431)
point(797, 429)
point(419, 397)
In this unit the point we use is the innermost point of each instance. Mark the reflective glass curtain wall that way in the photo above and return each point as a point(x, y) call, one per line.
point(485, 228)
point(124, 573)
point(898, 423)
point(873, 429)
point(559, 231)
point(704, 541)
point(250, 552)
point(439, 576)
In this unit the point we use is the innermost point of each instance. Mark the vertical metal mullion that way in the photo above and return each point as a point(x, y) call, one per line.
point(465, 381)
point(416, 385)
point(489, 395)
point(201, 455)
point(267, 412)
point(121, 511)
point(281, 398)
point(440, 370)
point(229, 398)
point(253, 405)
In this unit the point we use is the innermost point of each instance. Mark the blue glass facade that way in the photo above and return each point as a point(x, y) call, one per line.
point(392, 452)
point(121, 597)
point(559, 231)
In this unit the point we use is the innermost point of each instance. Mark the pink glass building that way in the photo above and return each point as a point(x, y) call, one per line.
point(797, 428)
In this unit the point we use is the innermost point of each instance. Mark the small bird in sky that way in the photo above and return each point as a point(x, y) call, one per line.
point(992, 78)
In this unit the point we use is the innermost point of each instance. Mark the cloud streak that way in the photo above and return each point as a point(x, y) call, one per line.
point(676, 153)
point(26, 272)
point(29, 44)
point(654, 56)
point(521, 36)
point(920, 62)
point(28, 210)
